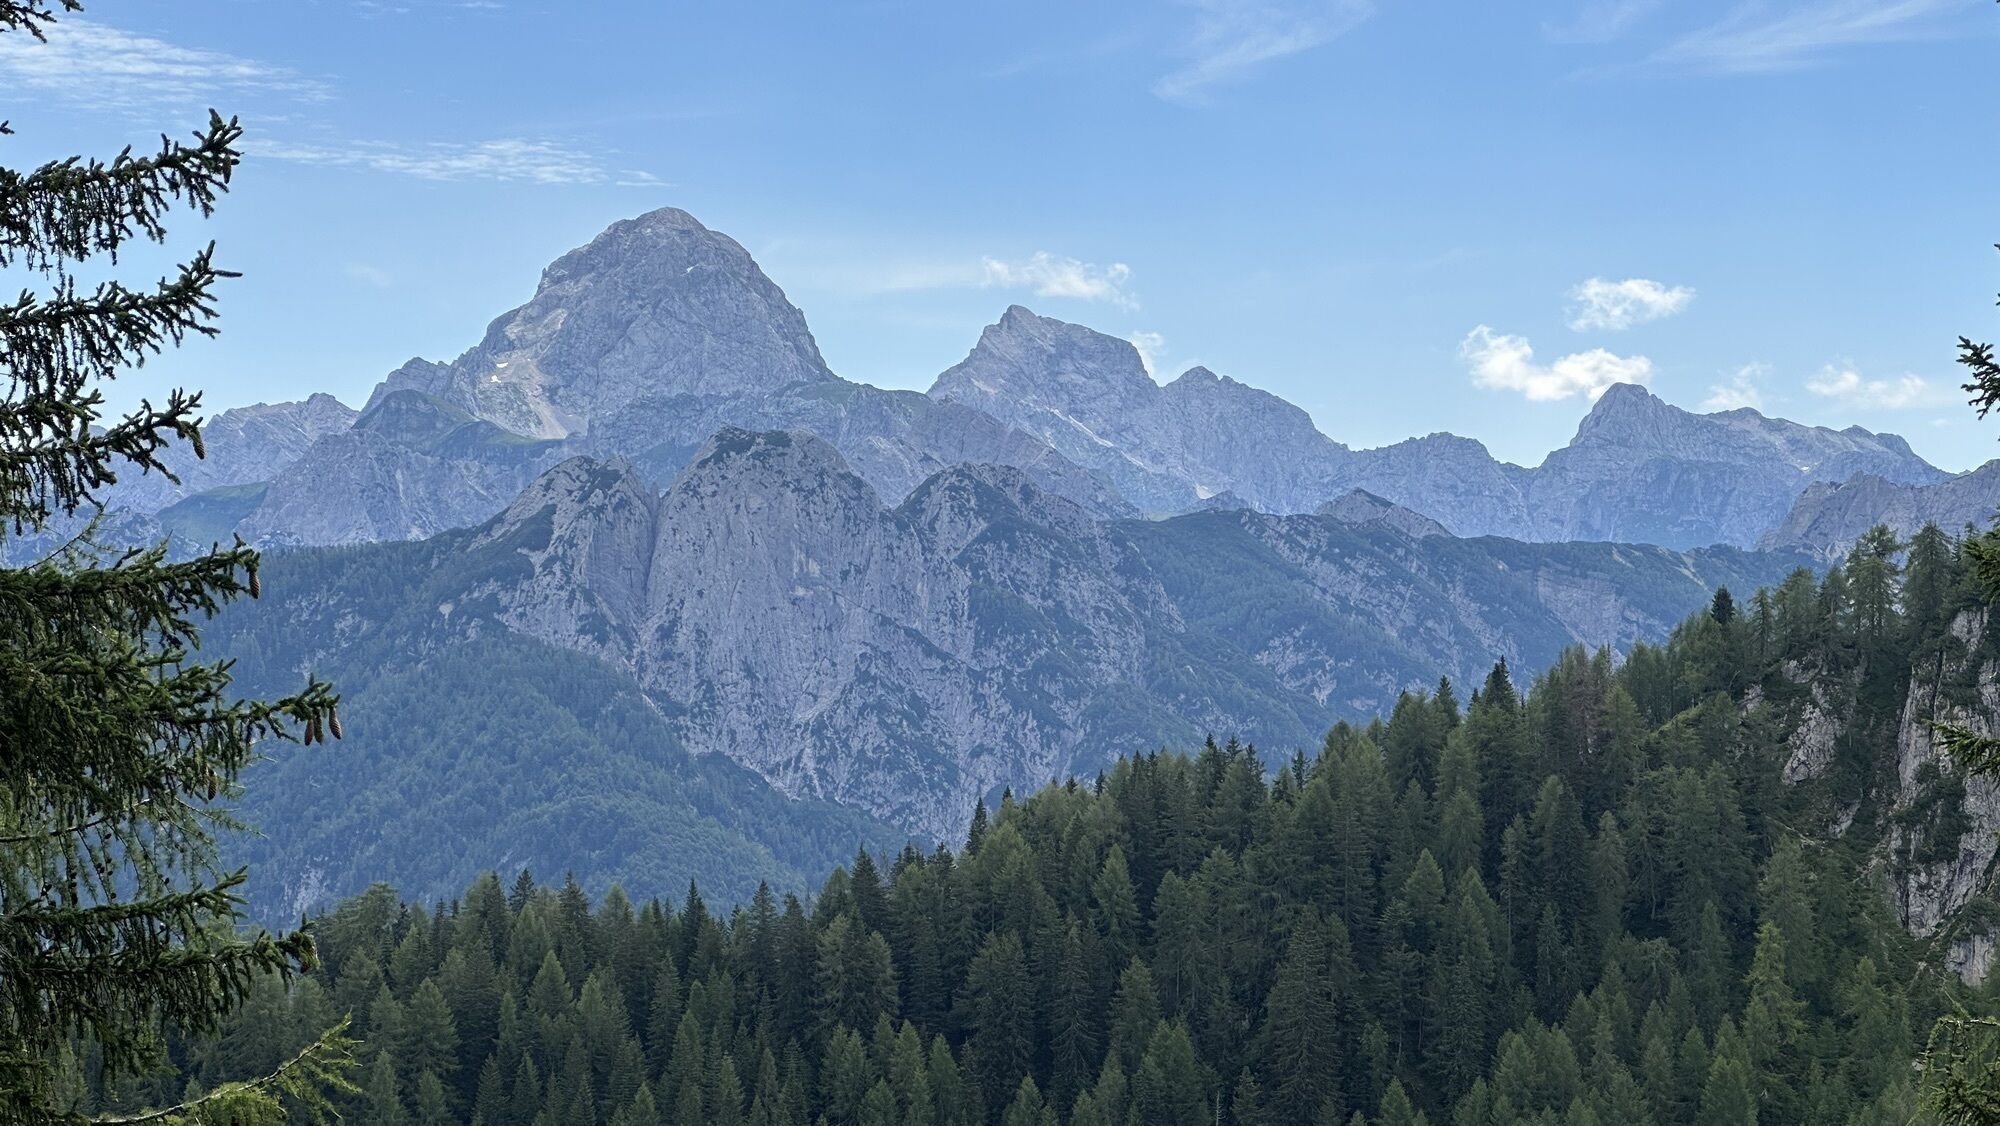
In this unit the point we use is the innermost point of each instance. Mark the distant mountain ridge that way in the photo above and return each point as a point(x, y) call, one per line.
point(658, 333)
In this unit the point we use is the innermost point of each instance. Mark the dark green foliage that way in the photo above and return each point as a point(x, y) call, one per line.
point(1661, 932)
point(116, 741)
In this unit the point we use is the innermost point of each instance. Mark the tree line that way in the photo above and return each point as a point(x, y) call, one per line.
point(1595, 899)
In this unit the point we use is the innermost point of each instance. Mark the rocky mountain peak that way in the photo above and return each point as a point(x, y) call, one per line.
point(653, 308)
point(572, 488)
point(1629, 418)
point(1037, 361)
point(1359, 506)
point(767, 462)
point(1626, 412)
point(953, 506)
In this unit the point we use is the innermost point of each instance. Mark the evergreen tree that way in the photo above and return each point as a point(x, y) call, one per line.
point(1299, 1050)
point(382, 1100)
point(116, 741)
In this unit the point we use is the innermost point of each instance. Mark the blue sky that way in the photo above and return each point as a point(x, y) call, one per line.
point(1405, 217)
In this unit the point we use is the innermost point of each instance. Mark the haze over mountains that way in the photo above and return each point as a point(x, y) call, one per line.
point(660, 332)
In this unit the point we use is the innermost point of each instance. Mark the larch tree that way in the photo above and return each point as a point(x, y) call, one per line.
point(117, 922)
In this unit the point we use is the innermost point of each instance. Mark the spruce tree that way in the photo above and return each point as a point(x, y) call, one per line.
point(115, 740)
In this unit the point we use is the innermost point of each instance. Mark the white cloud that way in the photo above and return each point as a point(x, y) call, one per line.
point(1233, 37)
point(1844, 383)
point(1047, 275)
point(510, 159)
point(1507, 363)
point(1618, 305)
point(1742, 390)
point(88, 64)
point(1152, 348)
point(1753, 39)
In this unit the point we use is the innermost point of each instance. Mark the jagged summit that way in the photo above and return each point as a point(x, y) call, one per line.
point(1200, 374)
point(1630, 418)
point(1042, 359)
point(653, 308)
point(1624, 413)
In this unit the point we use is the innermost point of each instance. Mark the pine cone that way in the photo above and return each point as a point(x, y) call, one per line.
point(256, 588)
point(333, 722)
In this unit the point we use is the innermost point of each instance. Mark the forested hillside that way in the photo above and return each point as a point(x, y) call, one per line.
point(1624, 894)
point(489, 749)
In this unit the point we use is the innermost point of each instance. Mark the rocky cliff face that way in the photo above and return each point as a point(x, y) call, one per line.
point(984, 632)
point(1943, 839)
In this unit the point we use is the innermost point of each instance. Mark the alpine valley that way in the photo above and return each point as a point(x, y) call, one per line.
point(657, 596)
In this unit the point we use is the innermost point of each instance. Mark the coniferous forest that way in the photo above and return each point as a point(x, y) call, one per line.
point(1741, 876)
point(1599, 897)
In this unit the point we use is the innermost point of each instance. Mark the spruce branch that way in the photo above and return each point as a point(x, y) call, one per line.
point(68, 210)
point(32, 16)
point(319, 1069)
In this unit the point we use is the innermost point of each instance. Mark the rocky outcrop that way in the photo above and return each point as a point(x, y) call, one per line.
point(1945, 829)
point(411, 467)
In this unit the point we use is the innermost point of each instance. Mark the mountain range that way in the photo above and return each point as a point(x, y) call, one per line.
point(657, 596)
point(660, 332)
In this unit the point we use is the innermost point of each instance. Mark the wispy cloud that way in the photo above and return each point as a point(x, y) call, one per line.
point(1043, 274)
point(1754, 38)
point(1047, 275)
point(509, 159)
point(1507, 363)
point(90, 65)
point(1618, 305)
point(1602, 21)
point(95, 67)
point(1233, 37)
point(1743, 390)
point(1843, 383)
